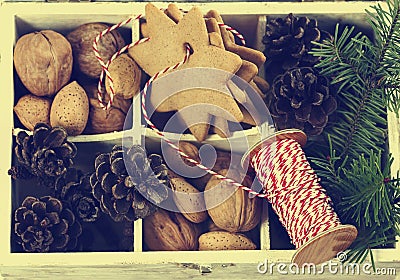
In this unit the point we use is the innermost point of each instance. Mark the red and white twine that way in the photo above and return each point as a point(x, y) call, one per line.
point(105, 66)
point(293, 189)
point(290, 184)
point(234, 32)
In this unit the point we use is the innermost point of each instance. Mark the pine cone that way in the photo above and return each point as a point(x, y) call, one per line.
point(46, 153)
point(288, 42)
point(44, 225)
point(122, 180)
point(301, 99)
point(74, 189)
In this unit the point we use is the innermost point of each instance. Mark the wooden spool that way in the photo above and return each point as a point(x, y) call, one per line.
point(325, 245)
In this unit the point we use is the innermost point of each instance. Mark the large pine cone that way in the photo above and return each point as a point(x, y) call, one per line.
point(301, 99)
point(288, 42)
point(74, 189)
point(46, 153)
point(127, 183)
point(44, 225)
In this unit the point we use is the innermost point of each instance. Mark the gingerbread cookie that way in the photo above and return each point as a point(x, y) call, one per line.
point(174, 13)
point(166, 47)
point(248, 69)
point(246, 72)
point(245, 53)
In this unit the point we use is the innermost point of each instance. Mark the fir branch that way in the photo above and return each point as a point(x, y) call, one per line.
point(367, 75)
point(388, 40)
point(364, 196)
point(349, 61)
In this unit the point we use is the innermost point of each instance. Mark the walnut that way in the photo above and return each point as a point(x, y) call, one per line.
point(43, 61)
point(231, 210)
point(104, 121)
point(169, 231)
point(82, 39)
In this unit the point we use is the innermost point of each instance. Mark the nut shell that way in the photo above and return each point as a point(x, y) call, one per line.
point(104, 121)
point(189, 200)
point(168, 231)
point(224, 161)
point(43, 61)
point(181, 165)
point(70, 109)
point(31, 109)
point(237, 213)
point(223, 240)
point(81, 40)
point(118, 102)
point(126, 76)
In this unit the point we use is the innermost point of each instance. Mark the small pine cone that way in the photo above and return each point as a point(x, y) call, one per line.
point(301, 99)
point(74, 189)
point(46, 153)
point(122, 180)
point(288, 42)
point(44, 225)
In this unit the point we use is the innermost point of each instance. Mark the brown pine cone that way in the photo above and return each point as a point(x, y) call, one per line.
point(44, 225)
point(127, 183)
point(74, 189)
point(46, 153)
point(288, 42)
point(301, 99)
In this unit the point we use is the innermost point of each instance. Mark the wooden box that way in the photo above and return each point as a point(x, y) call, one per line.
point(247, 17)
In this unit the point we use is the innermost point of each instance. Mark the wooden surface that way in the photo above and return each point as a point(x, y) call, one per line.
point(173, 271)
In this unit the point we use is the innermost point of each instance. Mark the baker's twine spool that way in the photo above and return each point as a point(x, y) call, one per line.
point(105, 65)
point(302, 205)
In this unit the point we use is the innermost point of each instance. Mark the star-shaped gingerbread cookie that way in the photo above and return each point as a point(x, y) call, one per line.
point(166, 47)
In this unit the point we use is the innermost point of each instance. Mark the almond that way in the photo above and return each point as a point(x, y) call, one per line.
point(31, 109)
point(223, 240)
point(189, 200)
point(70, 109)
point(126, 76)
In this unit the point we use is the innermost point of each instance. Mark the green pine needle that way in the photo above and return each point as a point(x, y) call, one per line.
point(351, 159)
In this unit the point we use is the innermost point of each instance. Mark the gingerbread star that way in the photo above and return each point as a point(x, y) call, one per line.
point(166, 47)
point(247, 72)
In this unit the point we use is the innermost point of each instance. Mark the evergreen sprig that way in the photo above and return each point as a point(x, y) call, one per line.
point(350, 60)
point(352, 160)
point(386, 26)
point(368, 199)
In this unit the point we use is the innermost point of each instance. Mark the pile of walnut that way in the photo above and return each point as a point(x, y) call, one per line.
point(60, 75)
point(230, 225)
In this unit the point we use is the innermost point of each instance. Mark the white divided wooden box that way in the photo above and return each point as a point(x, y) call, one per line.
point(247, 17)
